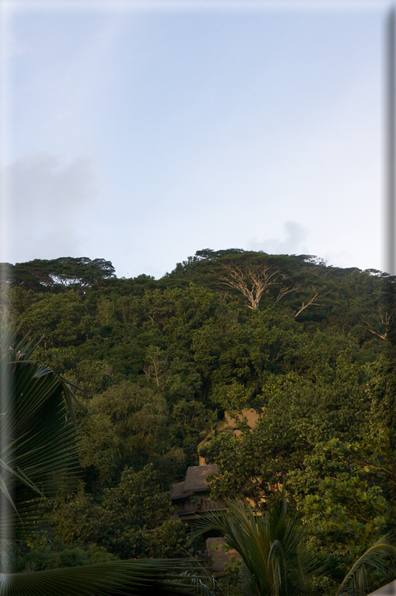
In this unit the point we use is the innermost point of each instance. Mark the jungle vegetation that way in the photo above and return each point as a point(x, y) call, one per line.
point(309, 346)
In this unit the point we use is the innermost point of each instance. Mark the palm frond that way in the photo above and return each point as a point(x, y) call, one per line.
point(270, 546)
point(38, 439)
point(381, 557)
point(138, 577)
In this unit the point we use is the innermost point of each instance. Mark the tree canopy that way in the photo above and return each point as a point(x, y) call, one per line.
point(160, 363)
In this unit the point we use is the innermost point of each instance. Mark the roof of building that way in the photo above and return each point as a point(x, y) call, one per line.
point(195, 482)
point(196, 477)
point(177, 491)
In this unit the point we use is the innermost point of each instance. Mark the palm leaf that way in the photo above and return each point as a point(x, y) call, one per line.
point(271, 548)
point(381, 557)
point(156, 577)
point(38, 439)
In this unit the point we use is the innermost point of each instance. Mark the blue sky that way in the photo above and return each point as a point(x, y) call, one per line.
point(141, 136)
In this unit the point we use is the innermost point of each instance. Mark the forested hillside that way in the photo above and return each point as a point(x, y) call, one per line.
point(309, 346)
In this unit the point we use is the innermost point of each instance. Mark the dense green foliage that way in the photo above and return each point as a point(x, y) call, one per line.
point(133, 519)
point(159, 361)
point(39, 460)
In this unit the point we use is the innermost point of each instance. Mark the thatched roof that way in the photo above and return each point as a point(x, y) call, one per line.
point(196, 478)
point(195, 482)
point(178, 491)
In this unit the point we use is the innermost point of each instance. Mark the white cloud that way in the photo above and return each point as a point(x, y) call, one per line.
point(292, 243)
point(45, 200)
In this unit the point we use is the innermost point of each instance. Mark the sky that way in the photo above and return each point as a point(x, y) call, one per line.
point(143, 132)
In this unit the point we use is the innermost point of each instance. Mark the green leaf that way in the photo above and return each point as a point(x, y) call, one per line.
point(143, 577)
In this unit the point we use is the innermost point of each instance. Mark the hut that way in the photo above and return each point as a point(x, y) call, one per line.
point(191, 496)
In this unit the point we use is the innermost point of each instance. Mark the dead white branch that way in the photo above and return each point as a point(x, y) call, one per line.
point(384, 320)
point(260, 282)
point(311, 303)
point(284, 291)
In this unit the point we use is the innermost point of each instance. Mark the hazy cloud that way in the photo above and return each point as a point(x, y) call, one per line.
point(45, 202)
point(295, 234)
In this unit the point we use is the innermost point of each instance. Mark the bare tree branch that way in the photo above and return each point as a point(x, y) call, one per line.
point(384, 320)
point(155, 366)
point(310, 303)
point(260, 282)
point(284, 291)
